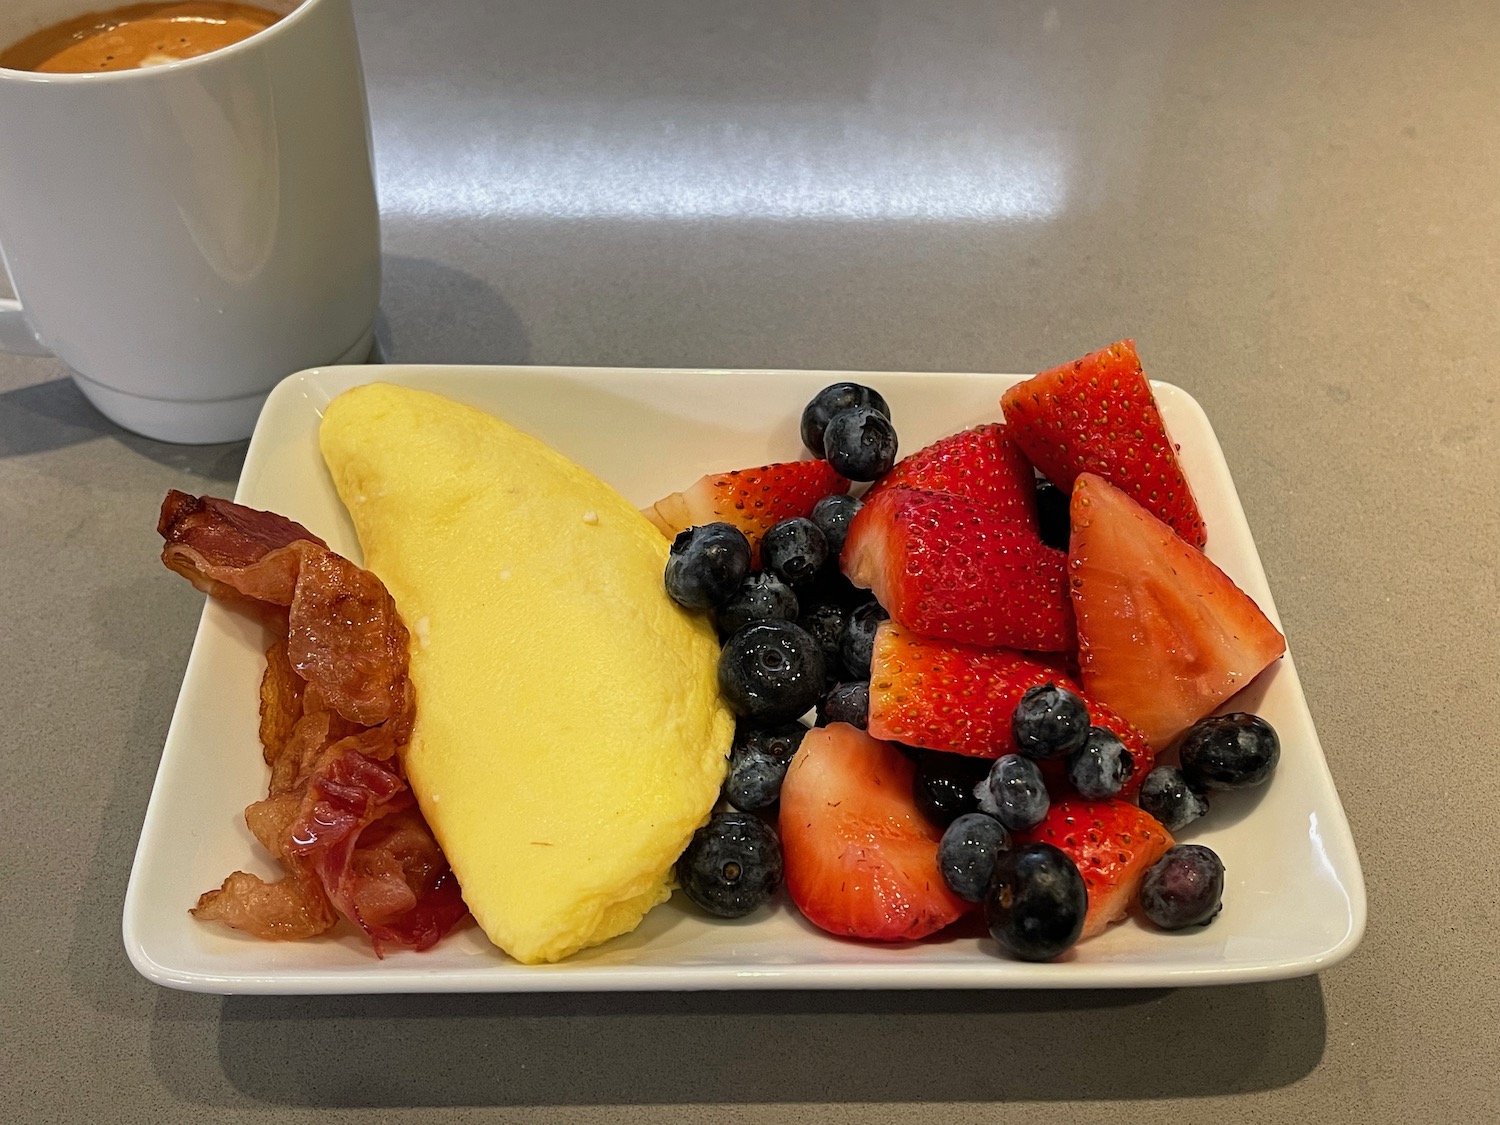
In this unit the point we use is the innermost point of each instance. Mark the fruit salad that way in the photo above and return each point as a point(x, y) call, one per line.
point(1016, 653)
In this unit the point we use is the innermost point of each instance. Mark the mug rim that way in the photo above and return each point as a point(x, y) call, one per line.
point(11, 74)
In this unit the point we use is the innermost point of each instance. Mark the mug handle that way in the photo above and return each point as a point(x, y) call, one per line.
point(15, 335)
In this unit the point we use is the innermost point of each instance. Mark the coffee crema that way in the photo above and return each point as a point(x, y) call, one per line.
point(137, 35)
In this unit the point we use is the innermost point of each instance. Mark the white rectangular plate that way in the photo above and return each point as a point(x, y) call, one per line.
point(1294, 901)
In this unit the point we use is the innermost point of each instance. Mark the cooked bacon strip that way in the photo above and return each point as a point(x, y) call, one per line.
point(289, 909)
point(392, 880)
point(281, 694)
point(344, 635)
point(231, 551)
point(293, 764)
point(316, 736)
point(270, 821)
point(403, 884)
point(335, 704)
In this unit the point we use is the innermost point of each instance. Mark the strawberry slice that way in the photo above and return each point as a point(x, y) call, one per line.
point(1098, 415)
point(1114, 844)
point(947, 567)
point(959, 698)
point(750, 499)
point(946, 696)
point(860, 858)
point(1164, 635)
point(984, 465)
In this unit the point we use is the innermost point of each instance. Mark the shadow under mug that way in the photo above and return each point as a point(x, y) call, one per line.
point(186, 235)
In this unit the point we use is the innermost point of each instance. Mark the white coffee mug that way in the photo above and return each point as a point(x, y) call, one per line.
point(185, 235)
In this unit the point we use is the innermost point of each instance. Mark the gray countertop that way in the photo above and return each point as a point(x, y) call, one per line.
point(1295, 210)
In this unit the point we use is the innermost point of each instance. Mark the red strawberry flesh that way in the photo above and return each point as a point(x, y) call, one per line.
point(1114, 844)
point(959, 698)
point(947, 696)
point(752, 500)
point(1165, 636)
point(861, 859)
point(983, 464)
point(947, 567)
point(1098, 415)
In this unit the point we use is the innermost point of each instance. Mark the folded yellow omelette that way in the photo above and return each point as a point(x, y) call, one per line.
point(569, 734)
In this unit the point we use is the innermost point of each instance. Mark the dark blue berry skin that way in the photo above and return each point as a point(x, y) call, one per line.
point(846, 703)
point(794, 550)
point(967, 854)
point(1014, 793)
point(1184, 888)
point(832, 586)
point(833, 514)
point(943, 785)
point(1036, 902)
point(1166, 795)
point(1050, 721)
point(1099, 767)
point(761, 597)
point(706, 565)
point(732, 864)
point(758, 760)
point(826, 621)
point(1052, 515)
point(831, 400)
point(860, 443)
point(770, 672)
point(1235, 751)
point(857, 646)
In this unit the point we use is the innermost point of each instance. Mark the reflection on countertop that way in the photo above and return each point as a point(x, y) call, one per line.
point(728, 111)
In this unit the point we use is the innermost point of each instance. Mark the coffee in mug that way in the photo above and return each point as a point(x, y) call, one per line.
point(136, 35)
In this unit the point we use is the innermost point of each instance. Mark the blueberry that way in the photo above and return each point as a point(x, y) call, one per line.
point(1229, 752)
point(1049, 722)
point(943, 785)
point(826, 621)
point(1184, 888)
point(967, 854)
point(857, 645)
point(846, 703)
point(761, 597)
point(1166, 795)
point(832, 586)
point(731, 865)
point(794, 550)
point(1036, 902)
point(1014, 793)
point(833, 400)
point(757, 764)
point(770, 671)
point(1099, 767)
point(1052, 514)
point(707, 564)
point(833, 514)
point(860, 443)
